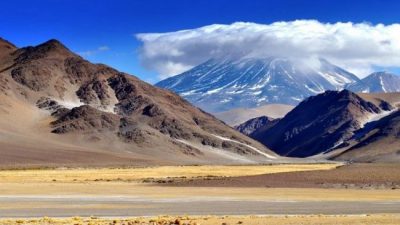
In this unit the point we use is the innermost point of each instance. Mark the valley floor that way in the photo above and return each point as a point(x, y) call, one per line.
point(353, 176)
point(146, 193)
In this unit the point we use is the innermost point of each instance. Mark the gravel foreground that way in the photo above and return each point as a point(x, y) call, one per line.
point(382, 219)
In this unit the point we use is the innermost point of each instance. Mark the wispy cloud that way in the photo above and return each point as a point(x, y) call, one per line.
point(95, 51)
point(358, 47)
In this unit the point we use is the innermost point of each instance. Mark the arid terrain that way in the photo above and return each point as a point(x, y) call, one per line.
point(230, 193)
point(362, 176)
point(208, 112)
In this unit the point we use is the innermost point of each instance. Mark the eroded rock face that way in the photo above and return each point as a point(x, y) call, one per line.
point(130, 131)
point(130, 101)
point(253, 125)
point(174, 129)
point(95, 92)
point(385, 106)
point(84, 119)
point(152, 110)
point(48, 104)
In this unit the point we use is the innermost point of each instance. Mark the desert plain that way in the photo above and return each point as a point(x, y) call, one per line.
point(248, 194)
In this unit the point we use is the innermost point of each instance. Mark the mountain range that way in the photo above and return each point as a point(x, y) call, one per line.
point(59, 109)
point(224, 84)
point(334, 124)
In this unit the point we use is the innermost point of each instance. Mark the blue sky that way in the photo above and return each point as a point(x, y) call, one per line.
point(104, 31)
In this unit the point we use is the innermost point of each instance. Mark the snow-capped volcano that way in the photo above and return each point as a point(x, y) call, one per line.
point(377, 82)
point(222, 84)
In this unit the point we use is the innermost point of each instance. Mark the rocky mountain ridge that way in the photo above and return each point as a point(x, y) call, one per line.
point(321, 124)
point(105, 108)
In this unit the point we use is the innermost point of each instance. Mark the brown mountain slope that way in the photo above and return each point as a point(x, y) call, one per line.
point(56, 106)
point(392, 98)
point(320, 123)
point(6, 47)
point(377, 141)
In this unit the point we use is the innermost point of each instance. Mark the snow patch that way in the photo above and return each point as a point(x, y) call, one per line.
point(246, 145)
point(225, 100)
point(296, 99)
point(188, 93)
point(376, 116)
point(178, 81)
point(312, 90)
point(256, 93)
point(382, 84)
point(214, 91)
point(261, 99)
point(336, 79)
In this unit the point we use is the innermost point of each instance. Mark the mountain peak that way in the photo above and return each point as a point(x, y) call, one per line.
point(54, 42)
point(377, 82)
point(343, 99)
point(382, 74)
point(318, 124)
point(223, 84)
point(52, 45)
point(347, 93)
point(51, 48)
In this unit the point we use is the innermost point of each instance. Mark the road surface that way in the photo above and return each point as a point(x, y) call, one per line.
point(126, 206)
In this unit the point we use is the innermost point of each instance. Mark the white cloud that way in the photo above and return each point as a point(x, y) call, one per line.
point(103, 48)
point(357, 47)
point(95, 51)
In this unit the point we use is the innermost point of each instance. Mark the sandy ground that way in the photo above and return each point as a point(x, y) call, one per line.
point(392, 219)
point(130, 199)
point(124, 199)
point(131, 189)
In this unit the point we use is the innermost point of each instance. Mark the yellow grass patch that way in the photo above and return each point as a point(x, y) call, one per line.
point(136, 174)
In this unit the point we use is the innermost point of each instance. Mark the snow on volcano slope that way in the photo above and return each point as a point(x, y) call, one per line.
point(223, 84)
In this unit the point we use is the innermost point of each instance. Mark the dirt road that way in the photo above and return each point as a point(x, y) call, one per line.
point(124, 206)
